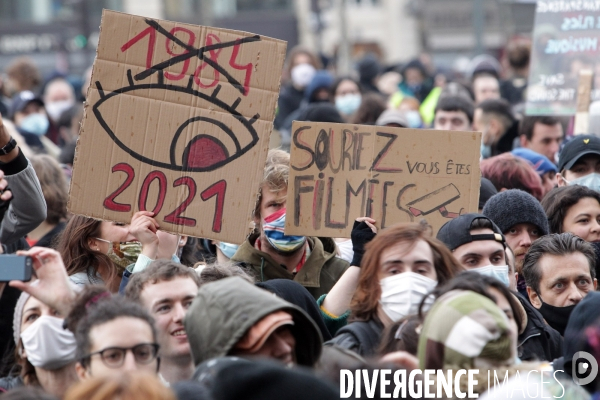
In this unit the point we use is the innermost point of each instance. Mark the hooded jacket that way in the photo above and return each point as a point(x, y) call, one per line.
point(320, 272)
point(223, 311)
point(539, 341)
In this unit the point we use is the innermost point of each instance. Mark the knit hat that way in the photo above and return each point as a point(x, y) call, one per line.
point(463, 326)
point(513, 207)
point(18, 315)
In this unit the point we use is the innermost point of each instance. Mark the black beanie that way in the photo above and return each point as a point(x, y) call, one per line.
point(513, 207)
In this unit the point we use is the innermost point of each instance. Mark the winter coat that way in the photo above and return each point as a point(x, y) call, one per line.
point(539, 341)
point(320, 272)
point(223, 311)
point(361, 337)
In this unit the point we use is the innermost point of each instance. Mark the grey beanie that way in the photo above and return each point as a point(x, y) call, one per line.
point(18, 315)
point(511, 207)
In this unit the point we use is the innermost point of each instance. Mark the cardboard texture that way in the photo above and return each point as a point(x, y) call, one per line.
point(565, 41)
point(340, 172)
point(177, 121)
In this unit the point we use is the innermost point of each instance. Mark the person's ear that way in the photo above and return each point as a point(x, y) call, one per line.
point(82, 373)
point(523, 140)
point(93, 244)
point(182, 241)
point(534, 298)
point(560, 180)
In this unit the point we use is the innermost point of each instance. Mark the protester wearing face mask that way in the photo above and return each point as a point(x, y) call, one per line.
point(310, 261)
point(59, 96)
point(401, 265)
point(574, 209)
point(28, 113)
point(45, 351)
point(97, 252)
point(479, 246)
point(579, 162)
point(346, 95)
point(301, 66)
point(559, 272)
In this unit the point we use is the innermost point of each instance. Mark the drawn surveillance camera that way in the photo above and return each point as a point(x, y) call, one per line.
point(436, 201)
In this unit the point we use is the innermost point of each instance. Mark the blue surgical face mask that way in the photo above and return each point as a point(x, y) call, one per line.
point(35, 123)
point(486, 151)
point(228, 249)
point(499, 272)
point(414, 119)
point(348, 103)
point(591, 181)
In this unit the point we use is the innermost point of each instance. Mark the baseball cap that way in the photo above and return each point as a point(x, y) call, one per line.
point(576, 148)
point(392, 117)
point(258, 334)
point(22, 99)
point(540, 162)
point(457, 232)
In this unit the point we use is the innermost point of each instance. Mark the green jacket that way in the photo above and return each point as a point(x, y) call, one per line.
point(320, 272)
point(223, 311)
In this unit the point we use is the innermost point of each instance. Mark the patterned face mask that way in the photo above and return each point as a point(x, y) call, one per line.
point(273, 227)
point(123, 253)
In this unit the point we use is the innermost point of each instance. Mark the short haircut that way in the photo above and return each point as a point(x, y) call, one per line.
point(528, 123)
point(217, 271)
point(559, 200)
point(556, 244)
point(456, 103)
point(275, 177)
point(103, 311)
point(498, 108)
point(518, 53)
point(507, 171)
point(158, 271)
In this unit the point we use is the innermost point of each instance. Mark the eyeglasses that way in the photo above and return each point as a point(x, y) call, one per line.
point(114, 357)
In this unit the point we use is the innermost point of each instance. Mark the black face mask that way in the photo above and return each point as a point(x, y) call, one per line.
point(556, 317)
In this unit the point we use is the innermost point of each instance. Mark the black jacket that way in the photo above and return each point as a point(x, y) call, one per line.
point(360, 337)
point(539, 341)
point(505, 143)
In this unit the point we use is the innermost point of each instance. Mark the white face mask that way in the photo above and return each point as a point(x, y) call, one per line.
point(591, 181)
point(47, 344)
point(302, 75)
point(499, 272)
point(401, 294)
point(56, 108)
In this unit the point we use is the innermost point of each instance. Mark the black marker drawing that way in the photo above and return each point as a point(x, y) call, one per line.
point(436, 201)
point(203, 152)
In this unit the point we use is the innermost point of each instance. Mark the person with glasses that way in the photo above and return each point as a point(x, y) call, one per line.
point(114, 336)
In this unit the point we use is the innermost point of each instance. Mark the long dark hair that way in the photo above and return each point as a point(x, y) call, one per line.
point(76, 252)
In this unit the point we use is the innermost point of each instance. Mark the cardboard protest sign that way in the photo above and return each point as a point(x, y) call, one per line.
point(177, 121)
point(565, 41)
point(340, 172)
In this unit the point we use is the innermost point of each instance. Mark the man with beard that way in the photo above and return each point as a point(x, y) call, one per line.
point(521, 219)
point(310, 261)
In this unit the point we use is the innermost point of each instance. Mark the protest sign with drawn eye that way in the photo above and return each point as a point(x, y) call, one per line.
point(177, 122)
point(340, 172)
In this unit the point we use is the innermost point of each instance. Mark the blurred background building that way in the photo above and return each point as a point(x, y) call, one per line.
point(61, 35)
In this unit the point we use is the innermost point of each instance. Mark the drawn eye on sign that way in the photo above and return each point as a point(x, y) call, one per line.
point(176, 122)
point(200, 151)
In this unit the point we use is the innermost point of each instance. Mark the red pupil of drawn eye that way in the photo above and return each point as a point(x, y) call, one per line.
point(205, 152)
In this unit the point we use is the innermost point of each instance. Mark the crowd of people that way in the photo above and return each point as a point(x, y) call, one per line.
point(131, 311)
